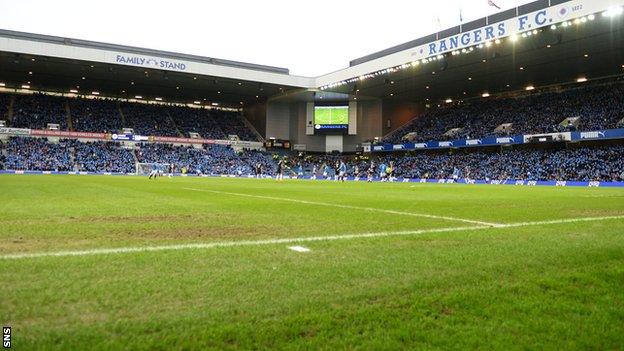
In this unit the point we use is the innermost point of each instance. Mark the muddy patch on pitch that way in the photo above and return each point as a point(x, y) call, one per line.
point(595, 213)
point(208, 232)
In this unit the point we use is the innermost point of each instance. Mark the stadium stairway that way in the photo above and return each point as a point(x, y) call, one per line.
point(134, 156)
point(72, 157)
point(10, 109)
point(252, 128)
point(174, 124)
point(398, 129)
point(70, 124)
point(123, 118)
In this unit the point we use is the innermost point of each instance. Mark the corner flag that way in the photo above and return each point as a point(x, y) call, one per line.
point(492, 3)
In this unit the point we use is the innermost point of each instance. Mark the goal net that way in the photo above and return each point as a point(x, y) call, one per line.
point(147, 168)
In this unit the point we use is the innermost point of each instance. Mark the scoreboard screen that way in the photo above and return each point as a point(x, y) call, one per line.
point(331, 118)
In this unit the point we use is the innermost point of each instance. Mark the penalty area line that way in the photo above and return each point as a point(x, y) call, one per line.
point(351, 207)
point(122, 250)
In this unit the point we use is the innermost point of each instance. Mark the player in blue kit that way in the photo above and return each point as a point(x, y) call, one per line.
point(342, 171)
point(382, 171)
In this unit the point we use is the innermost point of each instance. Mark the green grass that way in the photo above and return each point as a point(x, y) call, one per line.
point(331, 116)
point(555, 286)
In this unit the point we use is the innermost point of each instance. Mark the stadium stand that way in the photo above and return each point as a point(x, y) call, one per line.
point(38, 154)
point(214, 159)
point(583, 164)
point(598, 106)
point(209, 124)
point(95, 115)
point(231, 124)
point(100, 115)
point(102, 157)
point(2, 155)
point(190, 120)
point(37, 110)
point(579, 164)
point(4, 106)
point(148, 120)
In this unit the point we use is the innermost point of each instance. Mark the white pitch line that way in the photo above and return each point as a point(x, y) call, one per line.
point(371, 209)
point(294, 240)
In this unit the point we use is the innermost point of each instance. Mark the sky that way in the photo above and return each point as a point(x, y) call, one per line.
point(310, 38)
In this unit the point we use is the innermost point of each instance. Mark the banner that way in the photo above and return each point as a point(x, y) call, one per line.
point(597, 135)
point(510, 140)
point(178, 140)
point(14, 131)
point(181, 140)
point(66, 134)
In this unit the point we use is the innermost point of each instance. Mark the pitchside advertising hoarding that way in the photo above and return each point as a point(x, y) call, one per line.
point(557, 183)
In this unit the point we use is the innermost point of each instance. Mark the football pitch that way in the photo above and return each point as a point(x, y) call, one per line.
point(103, 262)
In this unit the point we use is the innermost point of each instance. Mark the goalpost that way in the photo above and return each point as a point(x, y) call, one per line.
point(147, 168)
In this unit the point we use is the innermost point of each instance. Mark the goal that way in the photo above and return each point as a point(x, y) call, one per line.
point(147, 168)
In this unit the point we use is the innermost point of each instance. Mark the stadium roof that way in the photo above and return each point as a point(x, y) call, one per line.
point(563, 55)
point(580, 43)
point(63, 64)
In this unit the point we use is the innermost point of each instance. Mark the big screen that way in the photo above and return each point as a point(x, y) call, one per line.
point(331, 117)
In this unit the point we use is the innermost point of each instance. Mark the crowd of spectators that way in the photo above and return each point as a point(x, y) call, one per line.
point(574, 164)
point(2, 155)
point(95, 115)
point(582, 164)
point(37, 110)
point(232, 124)
point(148, 120)
point(4, 106)
point(210, 124)
point(194, 120)
point(212, 159)
point(102, 156)
point(102, 115)
point(38, 155)
point(598, 106)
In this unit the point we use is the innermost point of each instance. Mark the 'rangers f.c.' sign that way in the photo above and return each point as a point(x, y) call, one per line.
point(502, 29)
